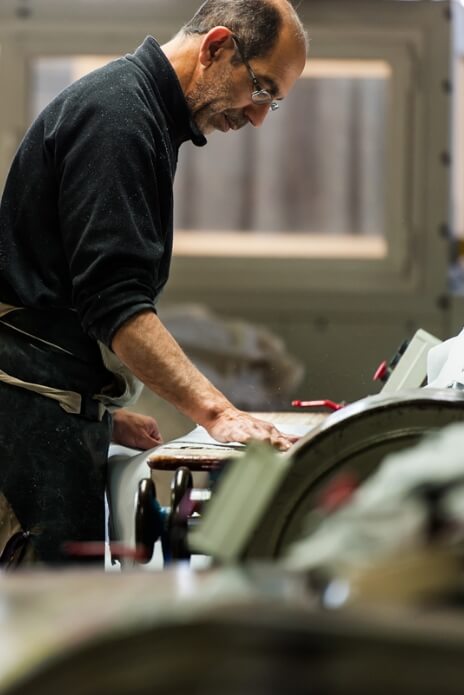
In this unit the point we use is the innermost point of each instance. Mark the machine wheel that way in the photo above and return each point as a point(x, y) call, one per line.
point(147, 524)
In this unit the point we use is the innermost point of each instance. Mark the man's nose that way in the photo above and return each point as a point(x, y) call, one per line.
point(256, 113)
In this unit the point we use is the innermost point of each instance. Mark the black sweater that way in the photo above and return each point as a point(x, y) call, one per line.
point(87, 212)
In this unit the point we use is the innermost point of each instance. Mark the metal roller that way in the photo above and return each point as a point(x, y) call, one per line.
point(356, 439)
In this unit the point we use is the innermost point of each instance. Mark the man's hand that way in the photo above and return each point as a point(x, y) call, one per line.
point(236, 426)
point(135, 430)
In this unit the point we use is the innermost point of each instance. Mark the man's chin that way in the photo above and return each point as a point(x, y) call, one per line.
point(205, 127)
point(217, 122)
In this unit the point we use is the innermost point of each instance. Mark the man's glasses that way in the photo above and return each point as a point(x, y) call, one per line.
point(258, 96)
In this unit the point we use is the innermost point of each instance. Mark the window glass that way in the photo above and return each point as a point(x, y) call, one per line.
point(316, 168)
point(311, 180)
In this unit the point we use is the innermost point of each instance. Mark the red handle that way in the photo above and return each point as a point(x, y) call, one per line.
point(97, 549)
point(318, 404)
point(381, 373)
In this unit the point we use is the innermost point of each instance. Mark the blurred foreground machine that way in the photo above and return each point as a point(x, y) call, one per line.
point(249, 631)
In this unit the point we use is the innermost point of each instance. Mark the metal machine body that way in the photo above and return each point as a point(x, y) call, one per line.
point(357, 439)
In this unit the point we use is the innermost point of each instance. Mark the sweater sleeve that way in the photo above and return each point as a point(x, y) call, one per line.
point(110, 214)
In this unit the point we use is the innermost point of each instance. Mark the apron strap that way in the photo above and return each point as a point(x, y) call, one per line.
point(70, 401)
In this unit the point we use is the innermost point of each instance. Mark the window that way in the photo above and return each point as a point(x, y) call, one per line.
point(311, 181)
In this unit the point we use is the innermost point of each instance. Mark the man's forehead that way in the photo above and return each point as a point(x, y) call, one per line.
point(279, 77)
point(284, 63)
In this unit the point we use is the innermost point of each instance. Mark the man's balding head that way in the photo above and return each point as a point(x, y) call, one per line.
point(258, 23)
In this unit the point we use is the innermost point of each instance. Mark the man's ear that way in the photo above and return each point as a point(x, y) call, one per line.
point(216, 42)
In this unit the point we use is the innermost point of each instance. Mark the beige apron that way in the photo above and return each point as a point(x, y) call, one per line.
point(128, 386)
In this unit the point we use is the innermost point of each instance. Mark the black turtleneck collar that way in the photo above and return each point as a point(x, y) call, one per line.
point(151, 59)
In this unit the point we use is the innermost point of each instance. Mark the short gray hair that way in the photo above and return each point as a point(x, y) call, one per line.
point(257, 23)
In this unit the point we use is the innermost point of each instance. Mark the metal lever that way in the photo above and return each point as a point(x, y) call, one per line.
point(331, 405)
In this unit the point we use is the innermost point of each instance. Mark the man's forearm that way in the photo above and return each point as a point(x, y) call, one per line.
point(152, 354)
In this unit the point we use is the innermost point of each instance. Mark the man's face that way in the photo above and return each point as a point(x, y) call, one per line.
point(221, 98)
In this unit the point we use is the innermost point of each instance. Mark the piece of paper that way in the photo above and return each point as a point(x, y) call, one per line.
point(445, 364)
point(200, 436)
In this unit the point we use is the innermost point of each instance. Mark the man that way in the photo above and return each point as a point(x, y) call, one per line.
point(85, 248)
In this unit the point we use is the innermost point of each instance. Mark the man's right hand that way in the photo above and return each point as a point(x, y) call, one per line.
point(236, 426)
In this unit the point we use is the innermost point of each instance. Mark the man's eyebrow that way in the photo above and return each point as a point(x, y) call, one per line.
point(271, 85)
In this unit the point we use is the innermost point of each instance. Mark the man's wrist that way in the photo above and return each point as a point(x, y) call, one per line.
point(212, 411)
